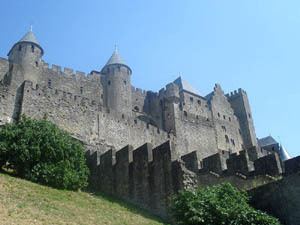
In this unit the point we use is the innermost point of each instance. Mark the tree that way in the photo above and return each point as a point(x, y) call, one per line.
point(220, 204)
point(39, 151)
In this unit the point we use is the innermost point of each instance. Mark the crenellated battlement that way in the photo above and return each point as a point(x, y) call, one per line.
point(148, 176)
point(236, 93)
point(68, 72)
point(138, 91)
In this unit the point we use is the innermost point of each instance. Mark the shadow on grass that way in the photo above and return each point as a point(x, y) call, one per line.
point(129, 206)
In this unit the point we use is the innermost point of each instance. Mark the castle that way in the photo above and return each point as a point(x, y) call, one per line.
point(201, 140)
point(103, 108)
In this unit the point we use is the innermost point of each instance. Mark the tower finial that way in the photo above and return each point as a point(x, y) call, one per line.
point(116, 48)
point(31, 27)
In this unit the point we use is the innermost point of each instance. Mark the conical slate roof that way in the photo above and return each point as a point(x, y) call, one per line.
point(115, 59)
point(29, 37)
point(284, 155)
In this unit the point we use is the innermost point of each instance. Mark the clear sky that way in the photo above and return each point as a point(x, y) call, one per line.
point(252, 44)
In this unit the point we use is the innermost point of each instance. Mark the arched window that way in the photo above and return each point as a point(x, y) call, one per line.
point(136, 108)
point(224, 128)
point(227, 139)
point(232, 142)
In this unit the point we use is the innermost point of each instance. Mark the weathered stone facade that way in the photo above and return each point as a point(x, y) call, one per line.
point(104, 109)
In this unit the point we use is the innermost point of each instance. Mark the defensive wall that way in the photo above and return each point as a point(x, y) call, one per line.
point(148, 176)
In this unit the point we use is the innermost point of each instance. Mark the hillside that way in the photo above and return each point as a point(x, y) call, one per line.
point(24, 202)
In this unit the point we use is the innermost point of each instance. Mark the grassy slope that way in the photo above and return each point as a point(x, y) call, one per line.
point(23, 202)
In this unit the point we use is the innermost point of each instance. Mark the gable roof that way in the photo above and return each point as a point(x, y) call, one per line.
point(186, 86)
point(266, 141)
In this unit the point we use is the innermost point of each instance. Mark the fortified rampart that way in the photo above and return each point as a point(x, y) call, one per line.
point(148, 177)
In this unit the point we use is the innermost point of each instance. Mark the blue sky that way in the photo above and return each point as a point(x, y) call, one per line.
point(252, 44)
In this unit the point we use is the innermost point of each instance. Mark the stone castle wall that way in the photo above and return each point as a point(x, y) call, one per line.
point(148, 176)
point(87, 120)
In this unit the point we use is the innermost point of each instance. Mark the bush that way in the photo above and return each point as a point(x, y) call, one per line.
point(221, 204)
point(39, 151)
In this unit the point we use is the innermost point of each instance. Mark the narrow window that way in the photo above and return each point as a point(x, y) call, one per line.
point(136, 109)
point(32, 48)
point(191, 99)
point(49, 83)
point(224, 128)
point(81, 90)
point(227, 139)
point(125, 82)
point(232, 142)
point(20, 47)
point(185, 113)
point(109, 82)
point(229, 119)
point(224, 117)
point(101, 96)
point(249, 115)
point(199, 102)
point(218, 114)
point(36, 64)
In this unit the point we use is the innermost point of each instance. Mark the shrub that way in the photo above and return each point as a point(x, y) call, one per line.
point(220, 204)
point(39, 151)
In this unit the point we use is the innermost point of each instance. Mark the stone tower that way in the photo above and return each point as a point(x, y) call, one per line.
point(240, 104)
point(24, 60)
point(117, 84)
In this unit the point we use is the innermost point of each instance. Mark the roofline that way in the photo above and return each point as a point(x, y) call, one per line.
point(193, 94)
point(120, 64)
point(27, 42)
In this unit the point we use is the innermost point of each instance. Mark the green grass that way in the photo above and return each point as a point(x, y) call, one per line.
point(24, 202)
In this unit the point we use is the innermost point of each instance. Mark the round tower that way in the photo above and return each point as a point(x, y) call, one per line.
point(25, 59)
point(117, 84)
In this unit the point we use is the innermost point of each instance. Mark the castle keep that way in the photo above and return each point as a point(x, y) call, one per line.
point(181, 138)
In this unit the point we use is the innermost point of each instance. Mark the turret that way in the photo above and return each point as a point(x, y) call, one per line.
point(117, 84)
point(24, 59)
point(240, 104)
